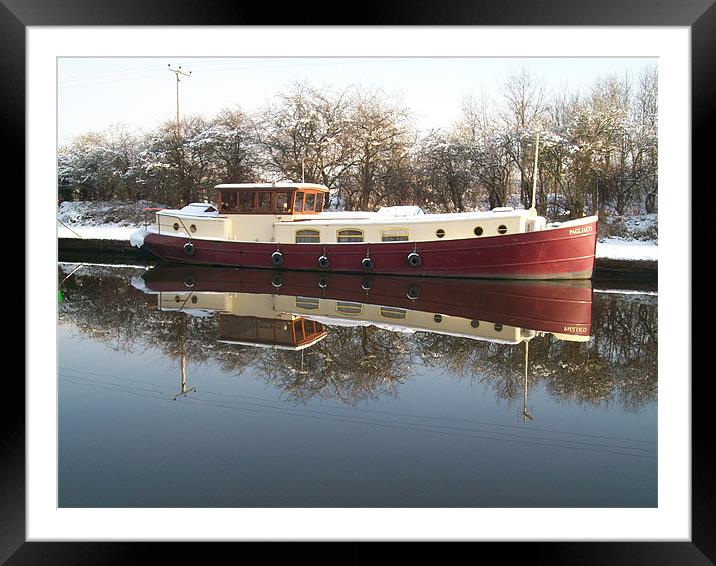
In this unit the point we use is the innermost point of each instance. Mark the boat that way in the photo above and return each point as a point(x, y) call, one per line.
point(287, 226)
point(291, 310)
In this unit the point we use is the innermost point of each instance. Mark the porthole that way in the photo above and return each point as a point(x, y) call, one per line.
point(192, 227)
point(194, 299)
point(478, 230)
point(177, 298)
point(502, 228)
point(475, 323)
point(176, 226)
point(498, 328)
point(440, 233)
point(438, 318)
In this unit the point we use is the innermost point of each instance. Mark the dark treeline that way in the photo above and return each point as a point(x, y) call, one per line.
point(618, 365)
point(598, 151)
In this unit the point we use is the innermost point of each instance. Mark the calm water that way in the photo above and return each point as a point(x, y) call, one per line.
point(226, 388)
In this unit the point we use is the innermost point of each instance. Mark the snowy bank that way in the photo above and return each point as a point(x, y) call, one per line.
point(618, 248)
point(108, 232)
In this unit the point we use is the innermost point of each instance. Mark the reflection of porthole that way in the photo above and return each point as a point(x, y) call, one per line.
point(194, 299)
point(192, 227)
point(440, 233)
point(478, 231)
point(502, 229)
point(176, 226)
point(498, 328)
point(177, 298)
point(475, 323)
point(437, 318)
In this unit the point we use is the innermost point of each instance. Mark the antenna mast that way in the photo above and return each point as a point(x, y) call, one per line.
point(533, 209)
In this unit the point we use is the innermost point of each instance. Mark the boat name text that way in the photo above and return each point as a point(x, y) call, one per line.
point(576, 329)
point(581, 230)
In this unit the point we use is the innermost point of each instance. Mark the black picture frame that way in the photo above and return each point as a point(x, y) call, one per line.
point(699, 15)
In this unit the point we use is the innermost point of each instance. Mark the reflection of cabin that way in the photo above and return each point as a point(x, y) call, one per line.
point(283, 198)
point(295, 334)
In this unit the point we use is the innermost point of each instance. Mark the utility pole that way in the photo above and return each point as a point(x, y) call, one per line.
point(178, 72)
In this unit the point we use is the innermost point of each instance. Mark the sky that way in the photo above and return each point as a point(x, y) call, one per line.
point(95, 93)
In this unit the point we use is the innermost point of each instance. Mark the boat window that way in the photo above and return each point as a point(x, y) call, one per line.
point(395, 235)
point(350, 235)
point(298, 330)
point(319, 202)
point(440, 233)
point(308, 236)
point(246, 201)
point(264, 201)
point(478, 230)
point(282, 200)
point(391, 312)
point(310, 204)
point(352, 309)
point(265, 329)
point(299, 202)
point(498, 327)
point(502, 229)
point(307, 303)
point(229, 202)
point(237, 328)
point(283, 332)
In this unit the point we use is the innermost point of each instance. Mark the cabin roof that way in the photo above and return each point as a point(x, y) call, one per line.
point(272, 187)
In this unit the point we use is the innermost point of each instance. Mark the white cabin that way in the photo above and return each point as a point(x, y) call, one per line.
point(291, 213)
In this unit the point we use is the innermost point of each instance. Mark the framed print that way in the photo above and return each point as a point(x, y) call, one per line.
point(656, 509)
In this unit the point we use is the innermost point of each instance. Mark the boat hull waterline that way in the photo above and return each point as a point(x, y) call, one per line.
point(557, 253)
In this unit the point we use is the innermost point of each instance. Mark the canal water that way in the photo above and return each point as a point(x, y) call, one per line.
point(185, 387)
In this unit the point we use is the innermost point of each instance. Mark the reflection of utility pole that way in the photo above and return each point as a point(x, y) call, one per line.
point(178, 72)
point(181, 331)
point(184, 389)
point(525, 413)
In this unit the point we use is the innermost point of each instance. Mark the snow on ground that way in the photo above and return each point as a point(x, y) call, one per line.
point(618, 248)
point(103, 213)
point(100, 220)
point(108, 232)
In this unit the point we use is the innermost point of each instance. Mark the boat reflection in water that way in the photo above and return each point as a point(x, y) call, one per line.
point(292, 310)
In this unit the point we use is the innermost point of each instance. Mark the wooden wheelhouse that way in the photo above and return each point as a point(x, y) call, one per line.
point(272, 198)
point(295, 333)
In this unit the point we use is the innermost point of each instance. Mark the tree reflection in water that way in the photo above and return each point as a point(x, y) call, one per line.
point(618, 365)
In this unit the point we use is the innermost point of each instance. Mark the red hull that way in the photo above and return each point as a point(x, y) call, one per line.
point(546, 254)
point(560, 307)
